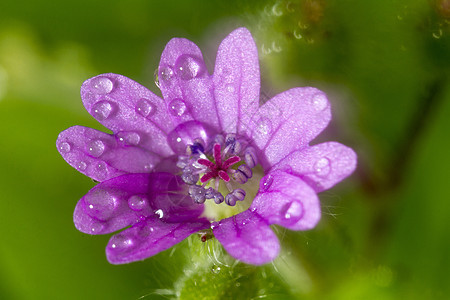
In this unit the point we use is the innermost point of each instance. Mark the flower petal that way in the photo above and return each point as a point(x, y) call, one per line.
point(236, 80)
point(126, 107)
point(321, 166)
point(102, 156)
point(289, 121)
point(127, 199)
point(248, 238)
point(185, 83)
point(148, 238)
point(286, 200)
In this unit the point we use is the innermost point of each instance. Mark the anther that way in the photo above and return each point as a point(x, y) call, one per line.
point(250, 157)
point(246, 170)
point(239, 194)
point(189, 175)
point(239, 177)
point(230, 200)
point(197, 193)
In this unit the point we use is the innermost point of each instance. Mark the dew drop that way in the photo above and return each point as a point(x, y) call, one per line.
point(149, 167)
point(264, 126)
point(319, 102)
point(102, 110)
point(101, 85)
point(215, 269)
point(137, 202)
point(100, 204)
point(82, 166)
point(96, 228)
point(145, 108)
point(156, 78)
point(96, 148)
point(230, 88)
point(64, 147)
point(166, 73)
point(292, 212)
point(322, 167)
point(121, 242)
point(129, 138)
point(297, 35)
point(177, 107)
point(267, 183)
point(101, 169)
point(159, 213)
point(186, 134)
point(188, 67)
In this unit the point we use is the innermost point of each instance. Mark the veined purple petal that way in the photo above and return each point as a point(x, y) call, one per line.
point(321, 166)
point(126, 107)
point(127, 199)
point(102, 156)
point(185, 84)
point(148, 238)
point(288, 122)
point(248, 237)
point(286, 200)
point(236, 80)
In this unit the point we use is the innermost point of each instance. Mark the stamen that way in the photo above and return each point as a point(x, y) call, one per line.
point(250, 157)
point(246, 170)
point(197, 193)
point(230, 199)
point(239, 177)
point(239, 194)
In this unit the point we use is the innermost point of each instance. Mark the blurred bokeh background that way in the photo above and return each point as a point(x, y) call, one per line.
point(385, 231)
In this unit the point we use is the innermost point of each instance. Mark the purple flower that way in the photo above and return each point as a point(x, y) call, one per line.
point(207, 157)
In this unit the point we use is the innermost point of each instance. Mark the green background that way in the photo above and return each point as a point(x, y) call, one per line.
point(384, 232)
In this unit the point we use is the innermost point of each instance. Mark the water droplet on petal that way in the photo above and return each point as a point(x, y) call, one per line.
point(267, 183)
point(322, 167)
point(137, 202)
point(230, 88)
point(96, 148)
point(82, 166)
point(215, 269)
point(100, 204)
point(156, 78)
point(96, 228)
point(186, 134)
point(166, 73)
point(292, 211)
point(149, 167)
point(159, 213)
point(64, 147)
point(102, 110)
point(145, 108)
point(177, 107)
point(129, 138)
point(101, 169)
point(264, 126)
point(101, 85)
point(121, 242)
point(319, 102)
point(188, 67)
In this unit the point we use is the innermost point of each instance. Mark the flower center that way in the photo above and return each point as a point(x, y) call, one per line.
point(222, 172)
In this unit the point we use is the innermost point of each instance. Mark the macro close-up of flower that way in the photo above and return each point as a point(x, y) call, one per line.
point(209, 157)
point(272, 149)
